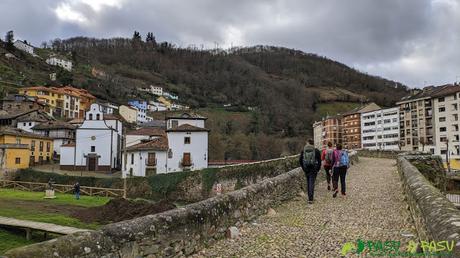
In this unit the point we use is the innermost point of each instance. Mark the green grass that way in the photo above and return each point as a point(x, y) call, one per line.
point(333, 108)
point(58, 219)
point(69, 199)
point(9, 240)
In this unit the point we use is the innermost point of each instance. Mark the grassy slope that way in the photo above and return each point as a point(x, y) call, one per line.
point(10, 240)
point(333, 108)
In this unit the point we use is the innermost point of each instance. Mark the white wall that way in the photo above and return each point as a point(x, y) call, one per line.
point(67, 155)
point(26, 126)
point(198, 149)
point(136, 161)
point(380, 129)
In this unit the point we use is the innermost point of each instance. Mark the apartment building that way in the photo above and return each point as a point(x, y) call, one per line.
point(429, 120)
point(67, 102)
point(380, 129)
point(332, 130)
point(318, 134)
point(351, 125)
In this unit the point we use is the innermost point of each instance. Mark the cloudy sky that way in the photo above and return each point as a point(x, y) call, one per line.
point(416, 42)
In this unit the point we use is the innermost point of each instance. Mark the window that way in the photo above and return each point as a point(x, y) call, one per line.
point(132, 158)
point(98, 116)
point(48, 147)
point(442, 109)
point(90, 116)
point(174, 123)
point(18, 140)
point(442, 119)
point(442, 129)
point(30, 124)
point(441, 99)
point(186, 140)
point(151, 159)
point(25, 124)
point(40, 148)
point(17, 161)
point(186, 160)
point(93, 148)
point(443, 152)
point(32, 145)
point(170, 154)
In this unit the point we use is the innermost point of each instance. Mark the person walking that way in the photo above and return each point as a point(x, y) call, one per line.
point(76, 188)
point(327, 156)
point(341, 163)
point(310, 161)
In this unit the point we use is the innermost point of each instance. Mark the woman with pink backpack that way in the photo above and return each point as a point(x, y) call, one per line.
point(341, 163)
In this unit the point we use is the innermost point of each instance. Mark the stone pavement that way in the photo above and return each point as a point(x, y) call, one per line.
point(374, 209)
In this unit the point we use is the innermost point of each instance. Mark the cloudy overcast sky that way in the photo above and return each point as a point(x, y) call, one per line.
point(416, 42)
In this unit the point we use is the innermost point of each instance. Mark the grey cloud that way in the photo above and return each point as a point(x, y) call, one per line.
point(411, 41)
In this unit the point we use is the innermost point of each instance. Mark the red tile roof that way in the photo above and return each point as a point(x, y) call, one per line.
point(149, 131)
point(158, 144)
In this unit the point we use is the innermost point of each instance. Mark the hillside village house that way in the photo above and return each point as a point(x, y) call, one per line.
point(97, 144)
point(61, 133)
point(141, 106)
point(170, 95)
point(14, 118)
point(156, 106)
point(67, 102)
point(24, 46)
point(21, 103)
point(107, 107)
point(155, 90)
point(128, 113)
point(60, 61)
point(185, 147)
point(165, 102)
point(21, 149)
point(351, 125)
point(380, 129)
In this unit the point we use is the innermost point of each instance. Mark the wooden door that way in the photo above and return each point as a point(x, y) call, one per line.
point(186, 160)
point(92, 163)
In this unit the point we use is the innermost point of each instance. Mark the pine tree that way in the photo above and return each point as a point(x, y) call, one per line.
point(9, 39)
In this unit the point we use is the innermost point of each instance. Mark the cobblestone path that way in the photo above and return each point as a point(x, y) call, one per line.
point(374, 209)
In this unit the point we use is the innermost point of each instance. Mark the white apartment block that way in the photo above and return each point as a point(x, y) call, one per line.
point(380, 129)
point(446, 125)
point(66, 64)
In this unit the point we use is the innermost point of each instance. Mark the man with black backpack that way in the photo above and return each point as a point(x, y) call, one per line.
point(310, 161)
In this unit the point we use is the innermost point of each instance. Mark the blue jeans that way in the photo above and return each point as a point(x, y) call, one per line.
point(311, 177)
point(77, 195)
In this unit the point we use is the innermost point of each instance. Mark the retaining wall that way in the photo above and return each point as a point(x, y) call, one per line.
point(387, 154)
point(435, 217)
point(176, 232)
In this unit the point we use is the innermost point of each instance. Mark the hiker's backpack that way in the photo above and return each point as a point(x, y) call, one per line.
point(344, 161)
point(329, 156)
point(309, 159)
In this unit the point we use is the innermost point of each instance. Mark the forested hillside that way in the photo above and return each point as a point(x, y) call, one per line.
point(284, 89)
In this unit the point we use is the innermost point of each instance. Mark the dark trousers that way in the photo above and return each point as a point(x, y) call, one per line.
point(328, 175)
point(311, 177)
point(339, 172)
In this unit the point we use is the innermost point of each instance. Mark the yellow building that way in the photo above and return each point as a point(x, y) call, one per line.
point(128, 113)
point(68, 102)
point(165, 102)
point(24, 149)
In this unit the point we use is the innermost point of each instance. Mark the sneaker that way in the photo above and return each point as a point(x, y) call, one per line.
point(328, 187)
point(335, 194)
point(310, 202)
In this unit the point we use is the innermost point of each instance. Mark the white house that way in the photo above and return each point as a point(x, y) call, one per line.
point(147, 158)
point(380, 129)
point(57, 61)
point(97, 144)
point(155, 90)
point(24, 46)
point(185, 147)
point(156, 106)
point(170, 95)
point(107, 107)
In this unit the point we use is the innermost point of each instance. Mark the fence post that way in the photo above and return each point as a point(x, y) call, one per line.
point(124, 188)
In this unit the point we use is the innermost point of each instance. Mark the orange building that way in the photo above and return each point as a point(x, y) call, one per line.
point(332, 130)
point(351, 125)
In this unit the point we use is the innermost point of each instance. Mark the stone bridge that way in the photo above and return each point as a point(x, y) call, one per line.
point(387, 199)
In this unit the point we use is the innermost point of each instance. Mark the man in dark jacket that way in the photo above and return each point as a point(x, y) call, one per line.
point(310, 161)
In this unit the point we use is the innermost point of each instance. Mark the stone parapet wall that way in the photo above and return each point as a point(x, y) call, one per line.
point(387, 154)
point(177, 232)
point(435, 217)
